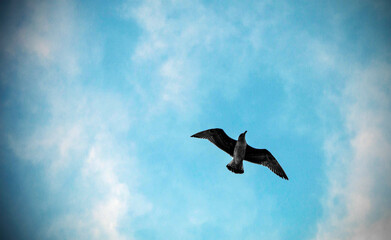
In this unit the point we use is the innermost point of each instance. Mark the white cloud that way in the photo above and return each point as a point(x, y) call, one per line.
point(184, 42)
point(83, 135)
point(357, 202)
point(174, 34)
point(48, 35)
point(80, 140)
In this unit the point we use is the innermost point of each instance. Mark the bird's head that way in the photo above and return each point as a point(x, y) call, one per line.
point(242, 135)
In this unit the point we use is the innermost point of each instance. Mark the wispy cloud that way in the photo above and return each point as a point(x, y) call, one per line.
point(80, 137)
point(111, 200)
point(358, 158)
point(176, 36)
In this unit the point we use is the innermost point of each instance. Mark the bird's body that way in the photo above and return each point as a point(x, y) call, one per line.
point(240, 151)
point(236, 165)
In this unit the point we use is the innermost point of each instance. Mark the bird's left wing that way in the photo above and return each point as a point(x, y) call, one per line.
point(265, 158)
point(219, 138)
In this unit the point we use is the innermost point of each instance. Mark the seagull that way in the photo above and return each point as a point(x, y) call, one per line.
point(240, 151)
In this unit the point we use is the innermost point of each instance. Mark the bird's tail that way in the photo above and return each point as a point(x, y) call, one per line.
point(235, 167)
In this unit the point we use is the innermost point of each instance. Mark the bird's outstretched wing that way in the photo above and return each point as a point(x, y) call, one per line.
point(219, 138)
point(265, 158)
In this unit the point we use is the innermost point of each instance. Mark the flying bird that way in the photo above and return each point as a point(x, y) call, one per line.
point(240, 151)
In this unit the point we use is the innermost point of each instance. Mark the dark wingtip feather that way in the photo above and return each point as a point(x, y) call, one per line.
point(284, 176)
point(281, 174)
point(197, 135)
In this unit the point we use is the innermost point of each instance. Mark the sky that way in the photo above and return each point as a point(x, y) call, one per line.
point(98, 100)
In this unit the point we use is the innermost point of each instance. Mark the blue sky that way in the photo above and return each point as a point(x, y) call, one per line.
point(99, 100)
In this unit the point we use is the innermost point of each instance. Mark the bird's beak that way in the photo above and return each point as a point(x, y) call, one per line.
point(245, 132)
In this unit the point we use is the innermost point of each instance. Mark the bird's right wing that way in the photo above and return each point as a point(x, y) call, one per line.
point(219, 138)
point(265, 158)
